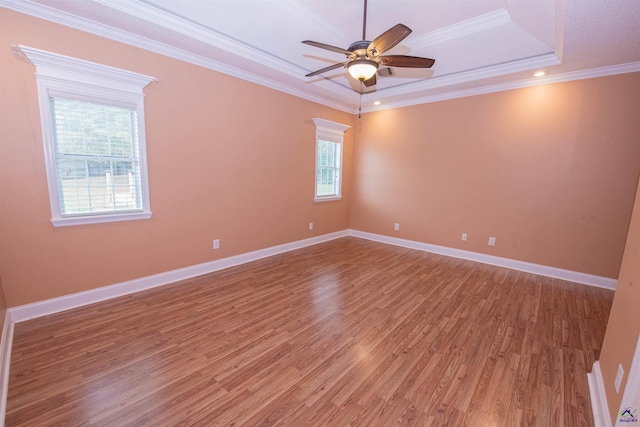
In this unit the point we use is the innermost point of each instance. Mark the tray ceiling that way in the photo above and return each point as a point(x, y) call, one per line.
point(479, 46)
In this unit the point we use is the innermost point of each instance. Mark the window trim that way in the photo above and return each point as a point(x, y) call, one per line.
point(71, 78)
point(331, 132)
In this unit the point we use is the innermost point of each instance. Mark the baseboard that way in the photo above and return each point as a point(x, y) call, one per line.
point(631, 394)
point(599, 404)
point(542, 270)
point(5, 362)
point(67, 302)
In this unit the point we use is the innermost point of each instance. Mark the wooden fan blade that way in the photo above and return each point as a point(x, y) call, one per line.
point(388, 39)
point(370, 81)
point(406, 61)
point(325, 69)
point(327, 47)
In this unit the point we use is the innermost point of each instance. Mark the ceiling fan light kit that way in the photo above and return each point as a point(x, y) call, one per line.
point(362, 69)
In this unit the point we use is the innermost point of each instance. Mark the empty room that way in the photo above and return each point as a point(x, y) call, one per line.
point(323, 213)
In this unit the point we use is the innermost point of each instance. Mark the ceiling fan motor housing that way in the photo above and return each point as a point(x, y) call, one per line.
point(361, 46)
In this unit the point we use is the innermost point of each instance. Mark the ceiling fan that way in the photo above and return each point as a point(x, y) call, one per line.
point(364, 57)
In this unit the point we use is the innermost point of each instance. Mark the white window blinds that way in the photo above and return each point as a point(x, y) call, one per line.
point(96, 158)
point(329, 157)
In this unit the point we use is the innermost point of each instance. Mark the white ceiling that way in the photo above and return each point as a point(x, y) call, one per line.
point(479, 46)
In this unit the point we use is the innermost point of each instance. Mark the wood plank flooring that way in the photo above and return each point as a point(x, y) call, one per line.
point(348, 332)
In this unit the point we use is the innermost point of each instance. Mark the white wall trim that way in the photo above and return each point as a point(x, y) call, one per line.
point(5, 362)
point(469, 27)
point(631, 395)
point(591, 73)
point(539, 61)
point(549, 59)
point(66, 19)
point(67, 302)
point(61, 76)
point(599, 404)
point(542, 270)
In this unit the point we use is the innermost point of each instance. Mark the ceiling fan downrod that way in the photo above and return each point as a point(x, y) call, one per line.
point(364, 22)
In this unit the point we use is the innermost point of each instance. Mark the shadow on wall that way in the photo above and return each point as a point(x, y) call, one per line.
point(3, 306)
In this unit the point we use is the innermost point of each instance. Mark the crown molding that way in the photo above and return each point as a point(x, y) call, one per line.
point(631, 67)
point(201, 33)
point(490, 20)
point(527, 64)
point(68, 20)
point(558, 47)
point(463, 29)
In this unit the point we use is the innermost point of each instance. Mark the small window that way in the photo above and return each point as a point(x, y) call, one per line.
point(329, 140)
point(94, 139)
point(328, 172)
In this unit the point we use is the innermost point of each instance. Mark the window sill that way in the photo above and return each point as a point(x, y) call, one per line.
point(97, 219)
point(327, 198)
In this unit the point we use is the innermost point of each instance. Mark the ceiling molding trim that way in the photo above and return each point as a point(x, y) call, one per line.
point(213, 65)
point(545, 60)
point(560, 24)
point(527, 64)
point(154, 16)
point(197, 32)
point(631, 67)
point(46, 13)
point(463, 29)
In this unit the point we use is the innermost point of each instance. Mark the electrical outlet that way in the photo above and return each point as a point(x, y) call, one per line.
point(618, 379)
point(464, 237)
point(310, 226)
point(492, 241)
point(216, 244)
point(396, 226)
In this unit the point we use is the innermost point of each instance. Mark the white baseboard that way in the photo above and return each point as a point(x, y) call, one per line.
point(5, 362)
point(631, 394)
point(542, 270)
point(67, 302)
point(599, 404)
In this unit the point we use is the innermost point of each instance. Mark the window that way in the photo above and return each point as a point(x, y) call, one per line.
point(94, 139)
point(328, 170)
point(329, 140)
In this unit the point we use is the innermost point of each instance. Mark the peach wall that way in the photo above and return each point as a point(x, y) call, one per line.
point(228, 159)
point(623, 327)
point(550, 171)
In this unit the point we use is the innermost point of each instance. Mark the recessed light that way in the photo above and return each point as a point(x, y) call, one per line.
point(539, 74)
point(376, 102)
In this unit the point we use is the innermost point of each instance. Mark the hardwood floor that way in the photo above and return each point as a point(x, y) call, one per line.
point(348, 332)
